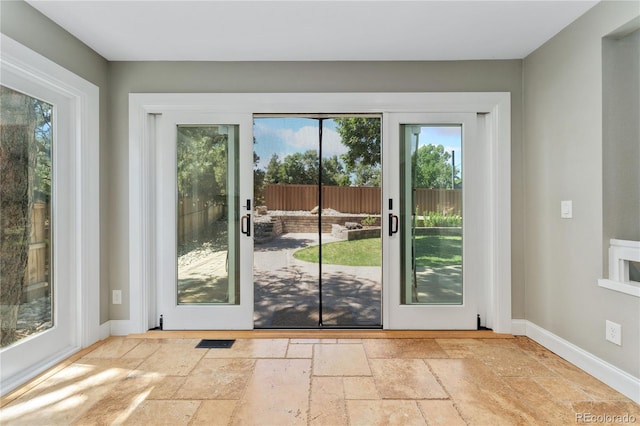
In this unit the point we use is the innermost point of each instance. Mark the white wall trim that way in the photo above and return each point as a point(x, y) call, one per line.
point(499, 127)
point(105, 330)
point(519, 327)
point(83, 255)
point(621, 252)
point(611, 375)
point(141, 225)
point(124, 327)
point(15, 381)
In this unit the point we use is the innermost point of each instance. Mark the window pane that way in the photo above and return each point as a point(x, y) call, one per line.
point(25, 216)
point(208, 237)
point(431, 207)
point(634, 271)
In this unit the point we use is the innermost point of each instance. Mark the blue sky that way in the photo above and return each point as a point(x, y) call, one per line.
point(287, 135)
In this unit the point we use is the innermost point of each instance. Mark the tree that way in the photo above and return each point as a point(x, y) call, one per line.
point(258, 180)
point(303, 169)
point(367, 175)
point(22, 123)
point(362, 136)
point(202, 164)
point(273, 173)
point(432, 167)
point(333, 172)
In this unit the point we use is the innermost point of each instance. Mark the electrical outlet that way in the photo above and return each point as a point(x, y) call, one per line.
point(117, 297)
point(614, 333)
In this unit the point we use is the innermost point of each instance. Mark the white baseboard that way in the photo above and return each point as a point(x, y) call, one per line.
point(519, 327)
point(105, 330)
point(121, 327)
point(618, 379)
point(23, 377)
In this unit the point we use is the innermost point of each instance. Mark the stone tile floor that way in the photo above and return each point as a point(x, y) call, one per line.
point(442, 381)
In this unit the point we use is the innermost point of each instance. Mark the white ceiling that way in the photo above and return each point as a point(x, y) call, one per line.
point(306, 30)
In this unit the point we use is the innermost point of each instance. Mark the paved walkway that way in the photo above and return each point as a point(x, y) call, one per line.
point(286, 289)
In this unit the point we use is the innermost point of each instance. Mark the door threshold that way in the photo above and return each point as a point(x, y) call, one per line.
point(320, 334)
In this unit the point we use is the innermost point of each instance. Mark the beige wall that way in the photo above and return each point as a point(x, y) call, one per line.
point(29, 27)
point(563, 160)
point(461, 76)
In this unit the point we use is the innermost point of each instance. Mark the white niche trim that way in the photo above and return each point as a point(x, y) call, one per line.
point(621, 252)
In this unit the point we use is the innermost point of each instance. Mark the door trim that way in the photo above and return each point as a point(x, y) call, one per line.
point(194, 316)
point(496, 106)
point(76, 204)
point(403, 315)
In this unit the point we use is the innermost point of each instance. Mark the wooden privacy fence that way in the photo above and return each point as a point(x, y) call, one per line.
point(194, 215)
point(344, 199)
point(354, 199)
point(37, 273)
point(447, 201)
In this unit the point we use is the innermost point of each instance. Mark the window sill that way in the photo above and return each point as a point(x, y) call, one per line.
point(630, 289)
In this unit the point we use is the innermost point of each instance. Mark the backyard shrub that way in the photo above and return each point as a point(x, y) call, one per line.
point(368, 221)
point(441, 220)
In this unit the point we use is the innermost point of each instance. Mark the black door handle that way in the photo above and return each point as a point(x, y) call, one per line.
point(393, 220)
point(245, 219)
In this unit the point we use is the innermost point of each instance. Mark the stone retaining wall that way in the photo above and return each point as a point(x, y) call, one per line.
point(343, 233)
point(310, 223)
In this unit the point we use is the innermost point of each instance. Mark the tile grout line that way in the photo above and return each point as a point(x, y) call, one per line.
point(344, 392)
point(375, 383)
point(244, 391)
point(444, 388)
point(313, 352)
point(200, 401)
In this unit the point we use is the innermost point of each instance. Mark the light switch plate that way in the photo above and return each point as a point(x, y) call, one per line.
point(117, 297)
point(566, 209)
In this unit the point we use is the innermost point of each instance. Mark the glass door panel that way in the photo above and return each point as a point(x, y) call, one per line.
point(431, 212)
point(437, 213)
point(203, 226)
point(207, 214)
point(26, 288)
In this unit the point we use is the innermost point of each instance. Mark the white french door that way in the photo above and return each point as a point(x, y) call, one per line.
point(435, 220)
point(443, 262)
point(205, 246)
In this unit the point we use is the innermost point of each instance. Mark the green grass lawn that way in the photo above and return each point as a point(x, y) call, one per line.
point(432, 251)
point(435, 251)
point(367, 252)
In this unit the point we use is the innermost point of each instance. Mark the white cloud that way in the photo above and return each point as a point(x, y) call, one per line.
point(285, 141)
point(306, 138)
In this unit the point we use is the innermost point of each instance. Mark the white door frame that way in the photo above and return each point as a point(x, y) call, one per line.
point(75, 212)
point(204, 316)
point(497, 127)
point(401, 315)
